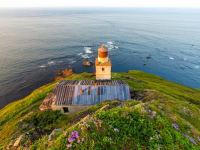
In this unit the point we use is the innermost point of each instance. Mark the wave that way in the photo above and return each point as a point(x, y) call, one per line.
point(171, 58)
point(87, 50)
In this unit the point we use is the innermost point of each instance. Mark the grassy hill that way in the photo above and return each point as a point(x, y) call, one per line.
point(162, 115)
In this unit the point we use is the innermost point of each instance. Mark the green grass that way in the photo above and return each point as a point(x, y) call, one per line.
point(172, 97)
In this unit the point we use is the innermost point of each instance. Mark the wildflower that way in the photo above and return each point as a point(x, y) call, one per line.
point(69, 145)
point(81, 128)
point(102, 128)
point(110, 126)
point(78, 141)
point(171, 117)
point(175, 126)
point(100, 133)
point(192, 141)
point(160, 107)
point(127, 117)
point(116, 129)
point(188, 131)
point(110, 138)
point(100, 122)
point(87, 125)
point(70, 140)
point(82, 139)
point(77, 136)
point(65, 133)
point(151, 138)
point(72, 133)
point(184, 134)
point(198, 138)
point(125, 148)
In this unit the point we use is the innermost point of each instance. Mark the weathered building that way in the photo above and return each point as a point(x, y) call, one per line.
point(75, 95)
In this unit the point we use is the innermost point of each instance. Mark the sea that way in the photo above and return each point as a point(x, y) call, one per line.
point(35, 43)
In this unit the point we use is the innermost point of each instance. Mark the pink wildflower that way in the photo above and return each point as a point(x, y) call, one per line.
point(69, 145)
point(82, 139)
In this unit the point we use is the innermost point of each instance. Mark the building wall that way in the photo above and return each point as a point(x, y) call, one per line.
point(104, 73)
point(72, 108)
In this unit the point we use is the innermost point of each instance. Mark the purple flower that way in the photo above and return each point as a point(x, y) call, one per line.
point(82, 139)
point(70, 140)
point(69, 145)
point(110, 138)
point(184, 134)
point(198, 138)
point(127, 117)
point(77, 136)
point(72, 133)
point(81, 128)
point(192, 141)
point(175, 126)
point(188, 131)
point(76, 132)
point(65, 133)
point(100, 122)
point(102, 128)
point(78, 141)
point(151, 138)
point(110, 126)
point(160, 107)
point(87, 125)
point(116, 129)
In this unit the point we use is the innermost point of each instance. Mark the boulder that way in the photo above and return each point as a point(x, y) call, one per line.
point(87, 63)
point(65, 72)
point(18, 141)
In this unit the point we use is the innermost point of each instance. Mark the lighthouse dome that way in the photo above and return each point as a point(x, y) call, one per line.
point(103, 49)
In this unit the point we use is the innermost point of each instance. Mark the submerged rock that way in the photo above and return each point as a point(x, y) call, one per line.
point(87, 63)
point(65, 72)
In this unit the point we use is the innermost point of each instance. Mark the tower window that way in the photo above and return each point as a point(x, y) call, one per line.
point(65, 109)
point(102, 69)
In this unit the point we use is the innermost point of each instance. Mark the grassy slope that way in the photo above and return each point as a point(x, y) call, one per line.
point(173, 98)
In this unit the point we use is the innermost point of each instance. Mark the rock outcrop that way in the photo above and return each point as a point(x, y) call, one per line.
point(65, 72)
point(87, 63)
point(47, 102)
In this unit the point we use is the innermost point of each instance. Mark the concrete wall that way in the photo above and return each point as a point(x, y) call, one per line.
point(72, 108)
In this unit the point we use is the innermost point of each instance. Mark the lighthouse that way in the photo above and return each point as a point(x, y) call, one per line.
point(103, 64)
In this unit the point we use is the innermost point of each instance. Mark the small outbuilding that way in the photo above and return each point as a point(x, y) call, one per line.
point(71, 96)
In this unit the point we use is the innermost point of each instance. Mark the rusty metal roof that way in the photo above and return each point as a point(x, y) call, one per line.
point(84, 92)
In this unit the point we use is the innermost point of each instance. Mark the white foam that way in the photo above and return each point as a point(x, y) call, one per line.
point(42, 66)
point(185, 59)
point(80, 54)
point(87, 50)
point(51, 63)
point(111, 42)
point(85, 56)
point(171, 58)
point(71, 62)
point(116, 47)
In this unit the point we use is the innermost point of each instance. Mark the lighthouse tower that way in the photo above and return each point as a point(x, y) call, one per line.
point(103, 64)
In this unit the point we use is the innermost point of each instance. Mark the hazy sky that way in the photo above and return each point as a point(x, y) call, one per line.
point(104, 3)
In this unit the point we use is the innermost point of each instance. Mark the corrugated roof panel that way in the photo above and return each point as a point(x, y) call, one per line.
point(68, 92)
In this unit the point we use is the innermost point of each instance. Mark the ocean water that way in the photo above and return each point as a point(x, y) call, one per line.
point(36, 43)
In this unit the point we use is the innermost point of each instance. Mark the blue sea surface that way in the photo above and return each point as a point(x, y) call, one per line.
point(37, 42)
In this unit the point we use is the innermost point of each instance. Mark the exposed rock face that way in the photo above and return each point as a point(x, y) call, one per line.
point(65, 72)
point(87, 63)
point(147, 95)
point(53, 133)
point(46, 104)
